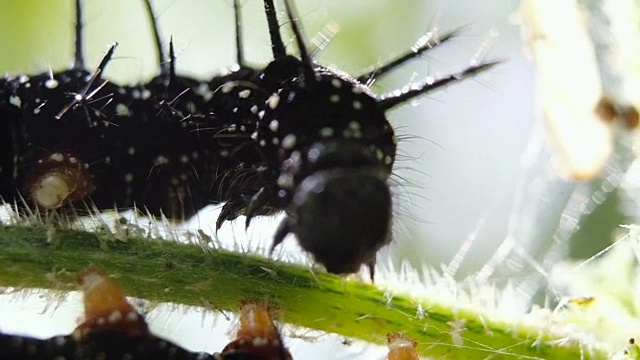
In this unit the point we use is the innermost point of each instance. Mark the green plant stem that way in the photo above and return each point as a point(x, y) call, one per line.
point(166, 271)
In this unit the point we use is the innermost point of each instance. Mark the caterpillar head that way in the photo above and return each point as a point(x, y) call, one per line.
point(336, 149)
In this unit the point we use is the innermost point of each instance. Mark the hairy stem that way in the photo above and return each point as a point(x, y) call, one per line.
point(187, 274)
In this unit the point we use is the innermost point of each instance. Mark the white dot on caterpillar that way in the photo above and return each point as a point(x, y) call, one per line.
point(388, 160)
point(356, 90)
point(205, 91)
point(131, 151)
point(243, 128)
point(273, 125)
point(354, 125)
point(51, 83)
point(259, 341)
point(285, 181)
point(273, 101)
point(132, 316)
point(128, 177)
point(289, 141)
point(334, 98)
point(263, 143)
point(244, 94)
point(56, 157)
point(160, 160)
point(123, 110)
point(261, 114)
point(336, 83)
point(275, 141)
point(379, 154)
point(326, 132)
point(107, 159)
point(184, 159)
point(357, 105)
point(227, 87)
point(59, 340)
point(15, 101)
point(224, 153)
point(235, 110)
point(73, 160)
point(115, 316)
point(254, 109)
point(77, 335)
point(254, 136)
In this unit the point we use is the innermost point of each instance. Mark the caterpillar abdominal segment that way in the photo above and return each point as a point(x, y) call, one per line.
point(293, 136)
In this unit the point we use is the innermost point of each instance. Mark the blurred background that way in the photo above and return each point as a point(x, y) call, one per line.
point(477, 193)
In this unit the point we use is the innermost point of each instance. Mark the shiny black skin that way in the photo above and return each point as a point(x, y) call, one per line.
point(159, 148)
point(333, 180)
point(106, 344)
point(110, 344)
point(333, 149)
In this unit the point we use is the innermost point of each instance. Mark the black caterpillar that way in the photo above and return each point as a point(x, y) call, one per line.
point(294, 136)
point(113, 330)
